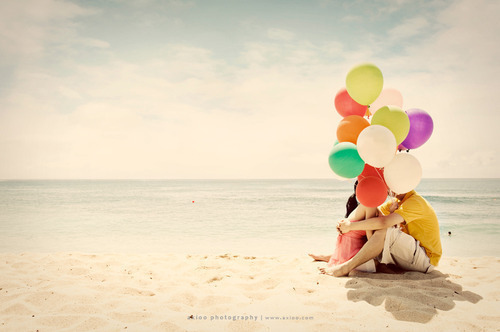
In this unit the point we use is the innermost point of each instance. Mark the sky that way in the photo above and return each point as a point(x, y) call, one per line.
point(195, 89)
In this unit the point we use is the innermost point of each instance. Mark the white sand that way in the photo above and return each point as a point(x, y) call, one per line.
point(107, 292)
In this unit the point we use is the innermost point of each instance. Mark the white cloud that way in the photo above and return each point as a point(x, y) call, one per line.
point(351, 18)
point(410, 28)
point(450, 74)
point(184, 113)
point(280, 34)
point(387, 7)
point(26, 27)
point(68, 93)
point(94, 43)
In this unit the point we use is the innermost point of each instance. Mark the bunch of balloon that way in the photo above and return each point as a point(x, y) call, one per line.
point(368, 149)
point(404, 172)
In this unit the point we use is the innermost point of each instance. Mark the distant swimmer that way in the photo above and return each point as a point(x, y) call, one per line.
point(449, 233)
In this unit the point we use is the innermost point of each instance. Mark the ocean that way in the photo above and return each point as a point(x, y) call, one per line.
point(253, 217)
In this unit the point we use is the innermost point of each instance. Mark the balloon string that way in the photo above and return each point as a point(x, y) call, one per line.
point(390, 191)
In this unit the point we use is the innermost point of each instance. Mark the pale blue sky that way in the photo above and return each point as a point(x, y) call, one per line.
point(234, 89)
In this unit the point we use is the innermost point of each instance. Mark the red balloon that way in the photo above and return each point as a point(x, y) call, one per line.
point(371, 191)
point(346, 106)
point(369, 170)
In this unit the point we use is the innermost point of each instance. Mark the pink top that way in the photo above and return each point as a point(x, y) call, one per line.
point(348, 245)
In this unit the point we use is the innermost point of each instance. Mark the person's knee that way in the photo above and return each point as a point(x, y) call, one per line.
point(380, 234)
point(363, 212)
point(369, 212)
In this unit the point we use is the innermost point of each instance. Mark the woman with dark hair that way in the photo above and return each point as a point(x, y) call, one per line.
point(352, 202)
point(350, 243)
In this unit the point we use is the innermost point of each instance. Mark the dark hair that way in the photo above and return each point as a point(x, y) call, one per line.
point(352, 202)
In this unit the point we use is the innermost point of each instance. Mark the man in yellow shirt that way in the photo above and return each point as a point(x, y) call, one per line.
point(405, 233)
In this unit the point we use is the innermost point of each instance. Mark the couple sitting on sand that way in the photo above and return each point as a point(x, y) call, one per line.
point(403, 232)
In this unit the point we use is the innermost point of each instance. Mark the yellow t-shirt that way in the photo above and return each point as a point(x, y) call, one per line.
point(421, 223)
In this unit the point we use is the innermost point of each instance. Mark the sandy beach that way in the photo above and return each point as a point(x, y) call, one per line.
point(111, 292)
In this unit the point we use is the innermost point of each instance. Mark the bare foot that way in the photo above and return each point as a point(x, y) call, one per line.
point(321, 258)
point(335, 271)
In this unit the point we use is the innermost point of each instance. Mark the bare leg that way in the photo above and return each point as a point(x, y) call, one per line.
point(372, 248)
point(321, 258)
point(362, 212)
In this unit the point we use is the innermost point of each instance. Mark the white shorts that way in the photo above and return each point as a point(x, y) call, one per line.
point(404, 251)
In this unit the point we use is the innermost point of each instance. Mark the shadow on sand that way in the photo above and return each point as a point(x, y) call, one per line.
point(410, 296)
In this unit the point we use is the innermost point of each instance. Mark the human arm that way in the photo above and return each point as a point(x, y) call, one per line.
point(388, 208)
point(375, 223)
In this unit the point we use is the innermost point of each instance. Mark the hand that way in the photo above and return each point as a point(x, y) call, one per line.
point(343, 226)
point(394, 206)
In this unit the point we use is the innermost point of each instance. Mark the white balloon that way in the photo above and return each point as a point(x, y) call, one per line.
point(376, 145)
point(403, 174)
point(387, 97)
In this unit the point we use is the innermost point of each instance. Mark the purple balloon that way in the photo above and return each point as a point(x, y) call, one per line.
point(421, 127)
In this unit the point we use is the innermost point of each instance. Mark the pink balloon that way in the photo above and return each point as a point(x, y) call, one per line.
point(346, 106)
point(387, 97)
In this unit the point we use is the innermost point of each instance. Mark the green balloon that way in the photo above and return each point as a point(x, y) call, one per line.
point(364, 83)
point(345, 161)
point(394, 119)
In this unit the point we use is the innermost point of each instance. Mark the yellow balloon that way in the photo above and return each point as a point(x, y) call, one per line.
point(394, 119)
point(364, 83)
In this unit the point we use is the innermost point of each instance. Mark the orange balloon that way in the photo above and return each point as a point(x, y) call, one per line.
point(350, 127)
